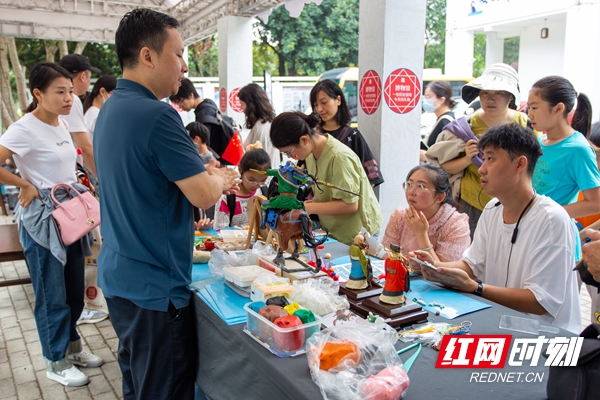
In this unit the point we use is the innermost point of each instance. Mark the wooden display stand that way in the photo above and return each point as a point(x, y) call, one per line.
point(367, 301)
point(360, 294)
point(399, 314)
point(254, 218)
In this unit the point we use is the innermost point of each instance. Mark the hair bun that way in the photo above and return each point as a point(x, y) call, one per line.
point(313, 120)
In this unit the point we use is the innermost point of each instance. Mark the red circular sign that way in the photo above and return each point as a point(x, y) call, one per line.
point(402, 91)
point(234, 100)
point(91, 292)
point(223, 100)
point(370, 92)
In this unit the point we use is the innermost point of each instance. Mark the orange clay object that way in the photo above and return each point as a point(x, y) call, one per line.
point(334, 353)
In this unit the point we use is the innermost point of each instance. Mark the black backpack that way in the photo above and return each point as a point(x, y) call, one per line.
point(222, 127)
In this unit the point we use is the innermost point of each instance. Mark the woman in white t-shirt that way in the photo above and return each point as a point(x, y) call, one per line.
point(43, 151)
point(259, 115)
point(92, 102)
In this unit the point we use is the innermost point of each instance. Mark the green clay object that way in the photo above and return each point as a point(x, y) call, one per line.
point(305, 316)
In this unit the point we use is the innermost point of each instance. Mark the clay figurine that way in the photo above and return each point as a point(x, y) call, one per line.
point(289, 178)
point(397, 277)
point(361, 271)
point(286, 216)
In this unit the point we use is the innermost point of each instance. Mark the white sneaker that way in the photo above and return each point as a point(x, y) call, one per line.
point(85, 359)
point(69, 377)
point(91, 317)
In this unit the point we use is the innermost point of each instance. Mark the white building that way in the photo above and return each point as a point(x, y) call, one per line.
point(557, 37)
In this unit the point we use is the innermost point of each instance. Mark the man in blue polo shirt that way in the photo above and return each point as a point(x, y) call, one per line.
point(151, 176)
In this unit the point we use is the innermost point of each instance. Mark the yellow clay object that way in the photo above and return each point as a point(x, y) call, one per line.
point(292, 308)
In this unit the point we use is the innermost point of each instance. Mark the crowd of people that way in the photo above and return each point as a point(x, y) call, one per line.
point(491, 205)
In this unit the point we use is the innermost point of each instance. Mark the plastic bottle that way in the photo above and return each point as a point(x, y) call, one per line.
point(79, 157)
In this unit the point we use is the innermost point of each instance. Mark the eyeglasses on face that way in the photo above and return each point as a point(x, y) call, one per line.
point(416, 188)
point(253, 182)
point(289, 153)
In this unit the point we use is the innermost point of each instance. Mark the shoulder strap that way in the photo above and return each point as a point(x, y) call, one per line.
point(443, 117)
point(207, 103)
point(208, 119)
point(264, 191)
point(207, 112)
point(231, 206)
point(447, 117)
point(345, 131)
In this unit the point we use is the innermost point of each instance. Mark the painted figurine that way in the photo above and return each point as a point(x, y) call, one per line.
point(290, 178)
point(397, 277)
point(361, 271)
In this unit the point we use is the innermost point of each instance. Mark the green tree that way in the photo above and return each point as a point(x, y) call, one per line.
point(479, 54)
point(263, 58)
point(203, 57)
point(435, 34)
point(321, 38)
point(100, 55)
point(511, 50)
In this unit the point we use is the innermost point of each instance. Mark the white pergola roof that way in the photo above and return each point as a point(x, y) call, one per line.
point(97, 20)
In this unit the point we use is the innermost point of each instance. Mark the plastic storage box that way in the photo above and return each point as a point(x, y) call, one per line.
point(232, 235)
point(283, 342)
point(243, 276)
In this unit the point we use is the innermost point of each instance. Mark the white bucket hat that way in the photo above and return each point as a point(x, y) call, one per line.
point(496, 77)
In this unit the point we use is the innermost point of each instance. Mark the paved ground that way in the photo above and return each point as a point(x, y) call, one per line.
point(22, 370)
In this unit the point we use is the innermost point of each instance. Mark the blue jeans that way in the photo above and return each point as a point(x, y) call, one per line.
point(58, 297)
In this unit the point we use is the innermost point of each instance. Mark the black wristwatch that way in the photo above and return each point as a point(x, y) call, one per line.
point(479, 290)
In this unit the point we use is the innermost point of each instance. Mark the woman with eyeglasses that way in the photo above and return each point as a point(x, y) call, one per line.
point(327, 159)
point(431, 223)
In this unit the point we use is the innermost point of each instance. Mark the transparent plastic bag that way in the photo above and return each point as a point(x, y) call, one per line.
point(431, 333)
point(220, 259)
point(319, 295)
point(266, 278)
point(360, 360)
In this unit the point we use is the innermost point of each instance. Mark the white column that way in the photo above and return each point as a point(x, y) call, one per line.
point(391, 44)
point(459, 52)
point(235, 57)
point(494, 49)
point(186, 57)
point(581, 61)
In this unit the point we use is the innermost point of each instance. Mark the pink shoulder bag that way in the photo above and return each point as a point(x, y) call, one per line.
point(77, 216)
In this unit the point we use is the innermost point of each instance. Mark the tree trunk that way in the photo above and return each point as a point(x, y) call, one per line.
point(63, 50)
point(281, 59)
point(79, 47)
point(7, 99)
point(19, 71)
point(51, 49)
point(6, 118)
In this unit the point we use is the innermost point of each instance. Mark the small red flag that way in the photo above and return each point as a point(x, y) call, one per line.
point(234, 151)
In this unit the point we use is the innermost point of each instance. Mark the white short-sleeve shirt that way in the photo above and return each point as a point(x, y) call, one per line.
point(44, 154)
point(90, 118)
point(541, 260)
